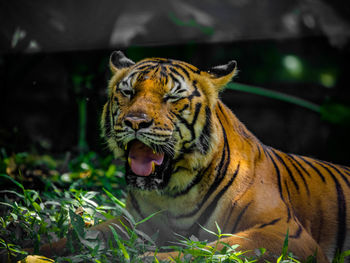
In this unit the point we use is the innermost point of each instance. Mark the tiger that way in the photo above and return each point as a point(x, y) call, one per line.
point(187, 155)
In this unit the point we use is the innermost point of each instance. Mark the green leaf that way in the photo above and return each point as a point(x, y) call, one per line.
point(12, 192)
point(6, 204)
point(285, 247)
point(148, 218)
point(336, 113)
point(120, 244)
point(218, 228)
point(261, 251)
point(113, 198)
point(77, 223)
point(36, 206)
point(209, 231)
point(340, 257)
point(111, 170)
point(12, 180)
point(346, 253)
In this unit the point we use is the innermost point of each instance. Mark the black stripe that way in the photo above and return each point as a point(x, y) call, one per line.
point(174, 71)
point(214, 204)
point(129, 77)
point(164, 75)
point(205, 137)
point(297, 233)
point(186, 106)
point(220, 105)
point(222, 112)
point(345, 171)
point(239, 218)
point(287, 188)
point(314, 168)
point(270, 223)
point(193, 183)
point(217, 181)
point(277, 173)
point(278, 181)
point(177, 129)
point(195, 117)
point(259, 154)
point(224, 162)
point(155, 135)
point(346, 168)
point(300, 174)
point(190, 127)
point(212, 188)
point(338, 171)
point(288, 170)
point(183, 70)
point(175, 80)
point(147, 62)
point(341, 211)
point(142, 67)
point(300, 165)
point(197, 71)
point(195, 93)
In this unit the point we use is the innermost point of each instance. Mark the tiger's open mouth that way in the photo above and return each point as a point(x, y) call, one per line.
point(146, 169)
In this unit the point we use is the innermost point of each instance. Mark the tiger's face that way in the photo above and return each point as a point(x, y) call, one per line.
point(159, 110)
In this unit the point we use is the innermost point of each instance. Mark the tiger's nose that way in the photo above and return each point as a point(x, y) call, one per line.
point(138, 121)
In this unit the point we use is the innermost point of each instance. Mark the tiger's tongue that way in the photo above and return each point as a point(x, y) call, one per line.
point(141, 157)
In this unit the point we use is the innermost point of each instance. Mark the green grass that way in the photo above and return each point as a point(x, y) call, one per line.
point(75, 193)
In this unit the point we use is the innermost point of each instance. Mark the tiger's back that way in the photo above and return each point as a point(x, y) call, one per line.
point(190, 157)
point(313, 194)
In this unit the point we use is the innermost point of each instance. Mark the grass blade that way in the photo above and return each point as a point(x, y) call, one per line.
point(12, 180)
point(148, 218)
point(113, 198)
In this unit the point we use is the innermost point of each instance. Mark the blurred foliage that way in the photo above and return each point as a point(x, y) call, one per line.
point(335, 113)
point(274, 94)
point(88, 171)
point(207, 30)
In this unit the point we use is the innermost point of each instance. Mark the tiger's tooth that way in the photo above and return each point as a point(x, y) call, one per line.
point(129, 161)
point(126, 147)
point(153, 167)
point(154, 151)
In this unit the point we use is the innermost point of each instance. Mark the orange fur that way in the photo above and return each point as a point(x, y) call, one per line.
point(216, 171)
point(242, 185)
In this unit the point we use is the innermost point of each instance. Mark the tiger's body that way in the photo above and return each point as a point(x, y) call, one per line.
point(191, 158)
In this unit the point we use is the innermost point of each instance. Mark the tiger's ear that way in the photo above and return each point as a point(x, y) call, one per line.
point(118, 61)
point(222, 74)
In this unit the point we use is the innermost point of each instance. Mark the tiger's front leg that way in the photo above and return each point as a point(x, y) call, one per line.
point(271, 238)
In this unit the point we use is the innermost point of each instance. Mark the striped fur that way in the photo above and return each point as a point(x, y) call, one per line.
point(215, 170)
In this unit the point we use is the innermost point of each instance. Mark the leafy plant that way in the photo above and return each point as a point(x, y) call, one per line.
point(30, 218)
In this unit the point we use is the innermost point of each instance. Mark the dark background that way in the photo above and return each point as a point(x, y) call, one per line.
point(54, 66)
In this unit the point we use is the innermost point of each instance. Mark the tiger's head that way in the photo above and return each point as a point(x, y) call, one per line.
point(160, 117)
